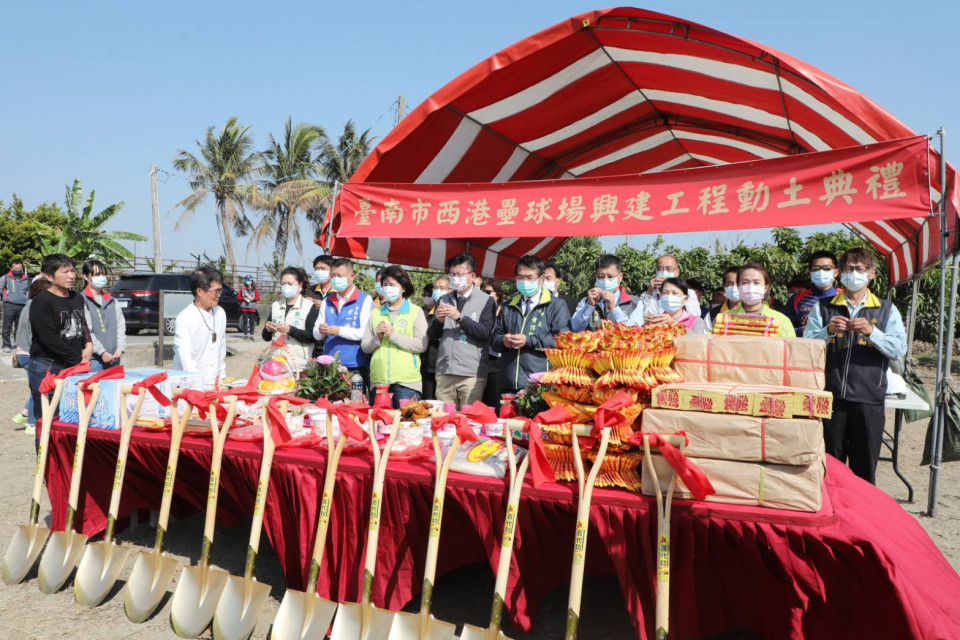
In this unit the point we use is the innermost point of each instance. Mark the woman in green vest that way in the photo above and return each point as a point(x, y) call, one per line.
point(395, 337)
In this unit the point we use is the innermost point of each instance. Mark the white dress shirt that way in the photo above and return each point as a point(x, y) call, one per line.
point(347, 333)
point(194, 346)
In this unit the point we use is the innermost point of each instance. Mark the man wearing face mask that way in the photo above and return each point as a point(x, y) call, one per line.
point(428, 367)
point(343, 316)
point(13, 288)
point(863, 334)
point(553, 281)
point(823, 272)
point(463, 323)
point(731, 296)
point(321, 276)
point(650, 311)
point(528, 324)
point(607, 300)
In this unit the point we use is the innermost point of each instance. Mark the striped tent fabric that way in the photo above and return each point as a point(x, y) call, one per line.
point(625, 91)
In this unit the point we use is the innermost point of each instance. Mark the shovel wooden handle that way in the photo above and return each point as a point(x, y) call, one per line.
point(178, 424)
point(86, 411)
point(506, 545)
point(323, 521)
point(583, 528)
point(48, 407)
point(213, 488)
point(263, 485)
point(126, 429)
point(662, 610)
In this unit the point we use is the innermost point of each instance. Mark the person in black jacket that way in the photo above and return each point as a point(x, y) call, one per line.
point(527, 325)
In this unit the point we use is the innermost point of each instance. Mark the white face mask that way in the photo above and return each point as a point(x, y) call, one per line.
point(732, 293)
point(550, 285)
point(854, 281)
point(459, 283)
point(607, 284)
point(99, 282)
point(390, 293)
point(752, 293)
point(289, 290)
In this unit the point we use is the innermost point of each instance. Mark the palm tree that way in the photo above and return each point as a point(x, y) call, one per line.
point(289, 173)
point(81, 237)
point(226, 160)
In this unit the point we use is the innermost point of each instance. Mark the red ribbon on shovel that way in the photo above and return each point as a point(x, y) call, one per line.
point(150, 384)
point(345, 416)
point(608, 414)
point(464, 431)
point(49, 380)
point(279, 430)
point(201, 400)
point(113, 373)
point(479, 412)
point(540, 466)
point(690, 474)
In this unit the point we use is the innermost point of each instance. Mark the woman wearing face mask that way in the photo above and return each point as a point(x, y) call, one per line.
point(249, 296)
point(108, 330)
point(293, 316)
point(673, 298)
point(753, 283)
point(395, 337)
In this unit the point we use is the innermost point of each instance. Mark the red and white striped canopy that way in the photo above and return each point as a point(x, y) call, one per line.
point(624, 91)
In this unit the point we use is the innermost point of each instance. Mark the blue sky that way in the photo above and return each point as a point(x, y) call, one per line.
point(99, 90)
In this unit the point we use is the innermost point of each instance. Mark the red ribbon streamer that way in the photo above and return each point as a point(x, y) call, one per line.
point(49, 380)
point(479, 412)
point(113, 373)
point(464, 431)
point(150, 384)
point(384, 415)
point(345, 416)
point(279, 431)
point(201, 400)
point(539, 464)
point(608, 414)
point(690, 474)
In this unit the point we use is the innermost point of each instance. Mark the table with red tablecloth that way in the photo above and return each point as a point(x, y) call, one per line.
point(860, 567)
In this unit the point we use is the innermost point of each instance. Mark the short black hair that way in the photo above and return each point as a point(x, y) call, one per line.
point(530, 262)
point(462, 258)
point(16, 261)
point(609, 260)
point(379, 273)
point(695, 284)
point(823, 253)
point(342, 262)
point(683, 285)
point(428, 290)
point(556, 269)
point(296, 272)
point(401, 276)
point(730, 269)
point(54, 262)
point(202, 277)
point(756, 266)
point(324, 259)
point(92, 266)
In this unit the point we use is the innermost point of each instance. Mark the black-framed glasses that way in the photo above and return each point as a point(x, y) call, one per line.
point(822, 267)
point(855, 269)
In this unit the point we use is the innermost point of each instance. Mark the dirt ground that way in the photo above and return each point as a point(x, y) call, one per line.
point(461, 597)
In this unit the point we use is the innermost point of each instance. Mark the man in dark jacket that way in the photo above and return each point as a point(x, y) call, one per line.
point(553, 282)
point(527, 325)
point(13, 290)
point(608, 300)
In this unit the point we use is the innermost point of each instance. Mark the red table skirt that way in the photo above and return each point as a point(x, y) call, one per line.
point(860, 568)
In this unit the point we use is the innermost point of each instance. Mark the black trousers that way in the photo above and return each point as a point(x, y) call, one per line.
point(248, 322)
point(855, 434)
point(11, 316)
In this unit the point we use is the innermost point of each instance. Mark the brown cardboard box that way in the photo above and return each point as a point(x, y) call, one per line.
point(749, 483)
point(745, 399)
point(724, 436)
point(788, 362)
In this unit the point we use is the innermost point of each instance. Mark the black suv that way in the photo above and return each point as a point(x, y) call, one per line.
point(138, 294)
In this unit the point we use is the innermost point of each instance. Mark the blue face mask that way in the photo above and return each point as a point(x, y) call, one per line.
point(607, 284)
point(822, 279)
point(321, 276)
point(732, 293)
point(390, 293)
point(339, 284)
point(99, 282)
point(289, 290)
point(378, 289)
point(439, 293)
point(664, 274)
point(671, 303)
point(854, 281)
point(527, 287)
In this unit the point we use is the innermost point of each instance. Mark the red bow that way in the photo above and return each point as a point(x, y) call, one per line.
point(49, 380)
point(279, 431)
point(540, 465)
point(554, 415)
point(690, 474)
point(608, 414)
point(479, 412)
point(112, 373)
point(508, 411)
point(150, 384)
point(464, 431)
point(202, 400)
point(280, 341)
point(345, 416)
point(384, 415)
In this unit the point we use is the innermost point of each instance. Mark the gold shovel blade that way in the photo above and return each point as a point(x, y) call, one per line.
point(98, 571)
point(62, 554)
point(24, 549)
point(151, 575)
point(406, 626)
point(195, 600)
point(240, 605)
point(302, 617)
point(348, 625)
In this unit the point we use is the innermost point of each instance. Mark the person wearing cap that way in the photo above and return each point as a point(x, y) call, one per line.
point(249, 296)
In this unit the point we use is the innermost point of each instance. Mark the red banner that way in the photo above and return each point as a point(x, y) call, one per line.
point(880, 181)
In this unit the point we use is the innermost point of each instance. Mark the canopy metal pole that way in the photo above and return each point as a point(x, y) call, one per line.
point(329, 239)
point(940, 404)
point(912, 321)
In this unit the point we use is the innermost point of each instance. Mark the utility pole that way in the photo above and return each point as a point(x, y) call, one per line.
point(157, 253)
point(401, 109)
